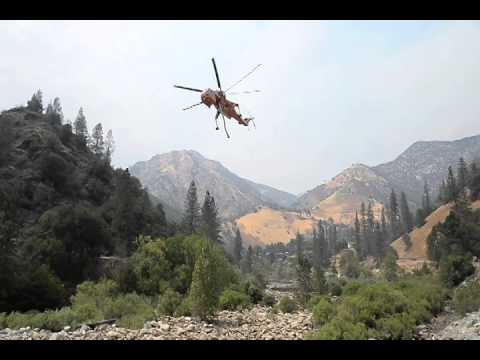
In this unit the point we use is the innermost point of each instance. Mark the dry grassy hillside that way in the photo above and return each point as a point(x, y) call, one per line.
point(342, 208)
point(268, 226)
point(416, 255)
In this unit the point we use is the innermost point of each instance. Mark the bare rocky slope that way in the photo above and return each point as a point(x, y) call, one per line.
point(167, 177)
point(422, 161)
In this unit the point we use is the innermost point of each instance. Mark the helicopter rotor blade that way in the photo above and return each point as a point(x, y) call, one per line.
point(187, 108)
point(216, 74)
point(187, 88)
point(244, 77)
point(244, 92)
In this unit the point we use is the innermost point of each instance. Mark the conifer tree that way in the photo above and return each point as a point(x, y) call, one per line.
point(383, 226)
point(426, 204)
point(452, 189)
point(204, 291)
point(97, 143)
point(357, 236)
point(406, 215)
point(109, 146)
point(303, 270)
point(80, 127)
point(192, 217)
point(54, 112)
point(370, 230)
point(364, 231)
point(210, 218)
point(248, 261)
point(462, 177)
point(237, 247)
point(36, 102)
point(442, 193)
point(394, 216)
point(379, 250)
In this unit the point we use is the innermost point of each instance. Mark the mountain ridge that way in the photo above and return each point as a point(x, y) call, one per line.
point(168, 175)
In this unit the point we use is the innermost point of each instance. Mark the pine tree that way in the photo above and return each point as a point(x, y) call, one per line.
point(370, 230)
point(383, 224)
point(316, 252)
point(97, 144)
point(426, 204)
point(462, 177)
point(303, 270)
point(109, 146)
point(394, 216)
point(80, 127)
point(333, 244)
point(248, 261)
point(36, 103)
point(54, 112)
point(420, 217)
point(204, 291)
point(364, 231)
point(323, 243)
point(473, 171)
point(192, 218)
point(210, 218)
point(405, 215)
point(379, 242)
point(442, 193)
point(319, 283)
point(237, 247)
point(452, 189)
point(357, 236)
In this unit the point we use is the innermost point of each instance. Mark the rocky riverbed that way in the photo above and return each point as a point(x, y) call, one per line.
point(449, 326)
point(257, 323)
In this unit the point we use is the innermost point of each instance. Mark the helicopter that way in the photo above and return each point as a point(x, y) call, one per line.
point(218, 99)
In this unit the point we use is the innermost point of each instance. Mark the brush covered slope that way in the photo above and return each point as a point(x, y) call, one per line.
point(413, 256)
point(62, 206)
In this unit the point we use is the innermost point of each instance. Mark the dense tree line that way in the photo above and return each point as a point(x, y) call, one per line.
point(54, 226)
point(453, 243)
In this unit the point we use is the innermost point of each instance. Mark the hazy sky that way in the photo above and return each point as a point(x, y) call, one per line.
point(333, 93)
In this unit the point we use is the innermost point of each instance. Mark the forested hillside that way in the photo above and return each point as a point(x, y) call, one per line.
point(62, 205)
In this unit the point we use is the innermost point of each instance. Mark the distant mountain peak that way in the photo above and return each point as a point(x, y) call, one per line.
point(168, 176)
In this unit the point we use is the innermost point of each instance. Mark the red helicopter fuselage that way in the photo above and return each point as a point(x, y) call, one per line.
point(226, 107)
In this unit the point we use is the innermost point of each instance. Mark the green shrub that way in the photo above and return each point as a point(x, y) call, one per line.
point(334, 287)
point(314, 300)
point(467, 298)
point(56, 320)
point(269, 300)
point(151, 267)
point(349, 264)
point(455, 268)
point(253, 291)
point(55, 170)
point(185, 308)
point(390, 268)
point(379, 310)
point(323, 311)
point(50, 320)
point(170, 300)
point(211, 275)
point(3, 320)
point(103, 300)
point(287, 305)
point(338, 329)
point(232, 300)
